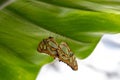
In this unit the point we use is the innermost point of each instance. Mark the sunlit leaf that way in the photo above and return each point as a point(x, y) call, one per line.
point(24, 23)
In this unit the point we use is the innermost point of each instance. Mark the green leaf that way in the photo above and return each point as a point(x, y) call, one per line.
point(109, 6)
point(24, 23)
point(2, 1)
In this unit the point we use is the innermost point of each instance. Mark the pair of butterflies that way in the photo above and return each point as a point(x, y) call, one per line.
point(62, 51)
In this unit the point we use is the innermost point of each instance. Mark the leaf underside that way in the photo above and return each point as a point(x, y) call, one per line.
point(24, 23)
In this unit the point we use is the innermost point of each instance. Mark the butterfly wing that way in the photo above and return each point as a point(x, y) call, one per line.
point(48, 46)
point(62, 51)
point(67, 56)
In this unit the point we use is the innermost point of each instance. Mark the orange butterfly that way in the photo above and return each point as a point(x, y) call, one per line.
point(62, 51)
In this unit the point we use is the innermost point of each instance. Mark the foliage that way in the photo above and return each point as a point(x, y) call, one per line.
point(24, 23)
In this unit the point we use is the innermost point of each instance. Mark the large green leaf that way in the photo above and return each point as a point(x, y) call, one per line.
point(24, 23)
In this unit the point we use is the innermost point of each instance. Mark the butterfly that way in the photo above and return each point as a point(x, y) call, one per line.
point(62, 51)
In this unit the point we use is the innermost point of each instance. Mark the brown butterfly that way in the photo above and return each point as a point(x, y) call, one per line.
point(62, 51)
